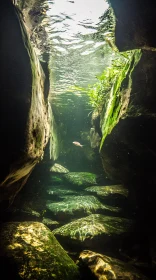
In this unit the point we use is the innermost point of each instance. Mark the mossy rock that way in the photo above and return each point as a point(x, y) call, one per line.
point(34, 253)
point(56, 179)
point(104, 267)
point(81, 179)
point(50, 223)
point(58, 168)
point(108, 191)
point(78, 206)
point(95, 232)
point(115, 195)
point(60, 190)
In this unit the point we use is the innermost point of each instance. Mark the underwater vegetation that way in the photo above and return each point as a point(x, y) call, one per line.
point(109, 96)
point(99, 92)
point(118, 96)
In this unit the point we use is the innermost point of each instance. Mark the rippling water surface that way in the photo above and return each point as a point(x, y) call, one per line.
point(77, 44)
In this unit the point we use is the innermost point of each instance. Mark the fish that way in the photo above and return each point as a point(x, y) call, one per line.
point(77, 144)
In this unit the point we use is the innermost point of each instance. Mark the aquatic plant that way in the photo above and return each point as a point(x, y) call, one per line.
point(119, 94)
point(109, 96)
point(99, 92)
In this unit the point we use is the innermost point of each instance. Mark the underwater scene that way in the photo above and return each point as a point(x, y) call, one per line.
point(78, 198)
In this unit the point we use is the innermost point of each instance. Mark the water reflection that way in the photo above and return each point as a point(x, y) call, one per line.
point(77, 51)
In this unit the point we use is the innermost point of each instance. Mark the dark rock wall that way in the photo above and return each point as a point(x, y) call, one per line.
point(15, 87)
point(132, 142)
point(135, 23)
point(24, 116)
point(129, 151)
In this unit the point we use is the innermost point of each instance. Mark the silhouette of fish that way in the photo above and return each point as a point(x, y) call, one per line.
point(77, 144)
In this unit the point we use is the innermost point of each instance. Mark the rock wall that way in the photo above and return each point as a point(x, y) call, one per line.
point(34, 14)
point(135, 26)
point(133, 136)
point(129, 150)
point(24, 118)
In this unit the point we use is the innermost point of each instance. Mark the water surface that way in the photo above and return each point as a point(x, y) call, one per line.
point(77, 43)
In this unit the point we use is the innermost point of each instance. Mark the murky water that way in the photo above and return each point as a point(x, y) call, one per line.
point(77, 42)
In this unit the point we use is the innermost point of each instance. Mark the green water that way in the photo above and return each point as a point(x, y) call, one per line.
point(78, 54)
point(83, 208)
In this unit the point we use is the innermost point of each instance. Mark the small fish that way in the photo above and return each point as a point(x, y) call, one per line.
point(77, 144)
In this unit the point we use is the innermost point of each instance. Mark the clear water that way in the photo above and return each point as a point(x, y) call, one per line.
point(60, 200)
point(77, 43)
point(78, 55)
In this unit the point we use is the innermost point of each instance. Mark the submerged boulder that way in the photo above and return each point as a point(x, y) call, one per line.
point(29, 250)
point(95, 231)
point(114, 195)
point(60, 191)
point(58, 168)
point(108, 191)
point(74, 206)
point(81, 179)
point(50, 223)
point(56, 179)
point(107, 268)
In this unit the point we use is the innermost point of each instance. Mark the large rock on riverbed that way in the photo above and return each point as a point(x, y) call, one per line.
point(114, 194)
point(58, 168)
point(77, 206)
point(95, 232)
point(28, 250)
point(107, 268)
point(81, 179)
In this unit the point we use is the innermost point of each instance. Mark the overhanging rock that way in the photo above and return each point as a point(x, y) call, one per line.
point(24, 116)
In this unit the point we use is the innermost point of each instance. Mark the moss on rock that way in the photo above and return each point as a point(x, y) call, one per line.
point(95, 231)
point(74, 206)
point(35, 252)
point(106, 191)
point(119, 96)
point(58, 168)
point(81, 179)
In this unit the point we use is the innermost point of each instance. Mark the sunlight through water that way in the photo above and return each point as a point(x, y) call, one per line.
point(76, 43)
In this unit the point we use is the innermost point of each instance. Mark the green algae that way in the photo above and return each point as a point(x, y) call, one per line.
point(60, 190)
point(105, 191)
point(94, 225)
point(118, 99)
point(56, 179)
point(27, 244)
point(81, 179)
point(78, 206)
